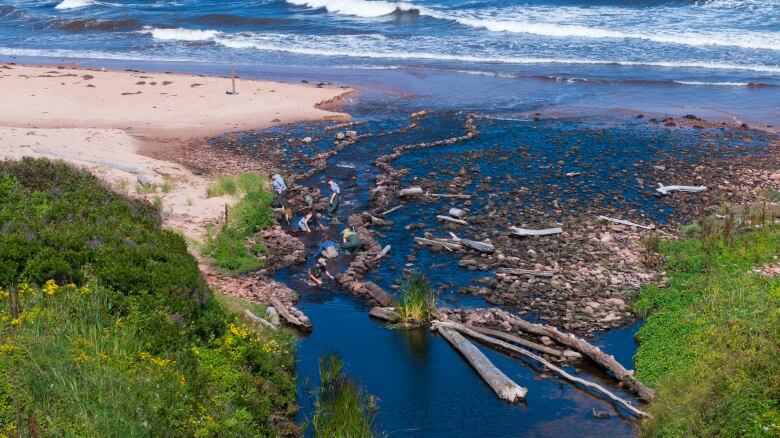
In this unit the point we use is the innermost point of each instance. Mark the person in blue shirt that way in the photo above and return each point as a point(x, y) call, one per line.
point(277, 182)
point(328, 249)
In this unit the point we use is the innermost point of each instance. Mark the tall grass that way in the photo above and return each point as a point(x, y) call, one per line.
point(418, 302)
point(711, 343)
point(227, 244)
point(341, 405)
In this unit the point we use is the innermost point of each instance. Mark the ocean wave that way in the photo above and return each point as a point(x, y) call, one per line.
point(725, 84)
point(74, 4)
point(95, 24)
point(358, 8)
point(742, 39)
point(180, 34)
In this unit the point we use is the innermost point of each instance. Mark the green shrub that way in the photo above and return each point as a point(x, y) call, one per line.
point(137, 345)
point(711, 343)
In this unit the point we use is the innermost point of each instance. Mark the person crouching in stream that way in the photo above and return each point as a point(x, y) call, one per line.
point(302, 224)
point(352, 242)
point(319, 270)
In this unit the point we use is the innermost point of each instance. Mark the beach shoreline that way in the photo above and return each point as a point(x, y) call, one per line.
point(126, 126)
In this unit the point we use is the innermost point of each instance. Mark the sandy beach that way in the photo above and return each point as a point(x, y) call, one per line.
point(104, 120)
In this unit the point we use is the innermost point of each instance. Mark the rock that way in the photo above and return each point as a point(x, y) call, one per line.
point(273, 316)
point(546, 340)
point(143, 179)
point(340, 136)
point(306, 139)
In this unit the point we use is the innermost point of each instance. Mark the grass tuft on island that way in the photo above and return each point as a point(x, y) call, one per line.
point(711, 342)
point(227, 244)
point(107, 327)
point(418, 302)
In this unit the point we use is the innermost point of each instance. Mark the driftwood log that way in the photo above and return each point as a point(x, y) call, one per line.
point(518, 271)
point(662, 189)
point(257, 320)
point(594, 353)
point(451, 219)
point(411, 191)
point(518, 340)
point(624, 222)
point(528, 232)
point(474, 244)
point(384, 313)
point(504, 387)
point(383, 253)
point(397, 207)
point(450, 195)
point(289, 317)
point(514, 349)
point(443, 243)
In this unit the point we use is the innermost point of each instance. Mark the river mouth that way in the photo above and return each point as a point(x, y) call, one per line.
point(424, 388)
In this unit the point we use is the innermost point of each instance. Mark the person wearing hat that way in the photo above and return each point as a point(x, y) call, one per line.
point(318, 270)
point(352, 242)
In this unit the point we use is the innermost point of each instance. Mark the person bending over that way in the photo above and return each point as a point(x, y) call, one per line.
point(319, 270)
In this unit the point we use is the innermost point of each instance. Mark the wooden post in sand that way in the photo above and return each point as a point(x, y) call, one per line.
point(233, 77)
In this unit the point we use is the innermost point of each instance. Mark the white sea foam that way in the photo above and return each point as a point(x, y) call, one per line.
point(357, 8)
point(714, 84)
point(180, 34)
point(74, 4)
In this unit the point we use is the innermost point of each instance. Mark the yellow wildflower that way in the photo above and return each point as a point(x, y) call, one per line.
point(81, 357)
point(50, 287)
point(3, 294)
point(25, 288)
point(144, 355)
point(240, 332)
point(160, 362)
point(182, 381)
point(5, 348)
point(84, 290)
point(271, 347)
point(16, 321)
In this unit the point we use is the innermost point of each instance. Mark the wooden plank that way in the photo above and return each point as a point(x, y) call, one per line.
point(528, 232)
point(624, 222)
point(503, 386)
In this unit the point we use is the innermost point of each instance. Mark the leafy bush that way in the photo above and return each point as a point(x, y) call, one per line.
point(107, 327)
point(711, 343)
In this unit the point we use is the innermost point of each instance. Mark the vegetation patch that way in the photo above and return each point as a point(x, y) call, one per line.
point(711, 342)
point(227, 244)
point(108, 329)
point(341, 406)
point(418, 302)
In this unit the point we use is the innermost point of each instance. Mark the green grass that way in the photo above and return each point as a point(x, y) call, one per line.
point(227, 244)
point(711, 342)
point(137, 345)
point(341, 407)
point(418, 302)
point(236, 185)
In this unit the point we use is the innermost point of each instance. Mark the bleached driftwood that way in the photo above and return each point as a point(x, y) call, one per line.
point(257, 320)
point(384, 313)
point(595, 354)
point(572, 174)
point(527, 232)
point(662, 189)
point(447, 245)
point(411, 191)
point(385, 213)
point(456, 213)
point(383, 253)
point(624, 222)
point(518, 271)
point(514, 349)
point(451, 219)
point(289, 317)
point(450, 195)
point(504, 387)
point(474, 244)
point(518, 340)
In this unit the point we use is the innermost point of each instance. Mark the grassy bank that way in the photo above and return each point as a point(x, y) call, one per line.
point(108, 329)
point(711, 342)
point(227, 244)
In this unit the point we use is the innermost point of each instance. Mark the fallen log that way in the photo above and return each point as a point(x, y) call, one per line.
point(383, 253)
point(517, 271)
point(518, 340)
point(289, 317)
point(474, 244)
point(506, 346)
point(449, 246)
point(504, 387)
point(594, 353)
point(411, 191)
point(384, 313)
point(662, 189)
point(385, 213)
point(527, 232)
point(624, 222)
point(451, 219)
point(450, 195)
point(257, 320)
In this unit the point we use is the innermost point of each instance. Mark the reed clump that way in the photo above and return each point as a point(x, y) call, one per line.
point(341, 407)
point(418, 302)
